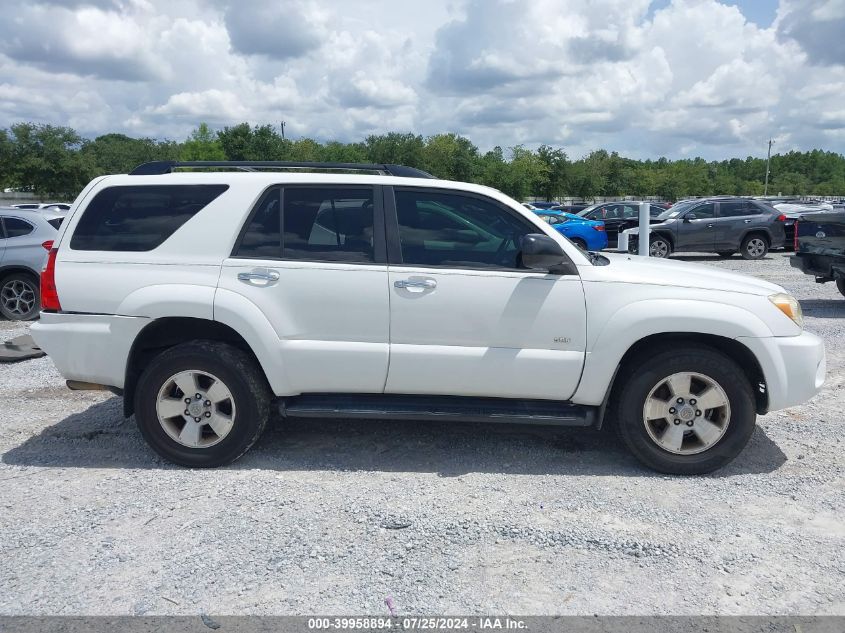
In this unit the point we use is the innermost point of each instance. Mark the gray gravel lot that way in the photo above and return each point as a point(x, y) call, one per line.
point(334, 517)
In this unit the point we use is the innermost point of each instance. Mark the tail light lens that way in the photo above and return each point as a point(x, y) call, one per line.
point(598, 227)
point(49, 295)
point(47, 245)
point(795, 238)
point(781, 218)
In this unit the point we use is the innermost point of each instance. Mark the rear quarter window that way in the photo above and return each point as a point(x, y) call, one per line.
point(139, 218)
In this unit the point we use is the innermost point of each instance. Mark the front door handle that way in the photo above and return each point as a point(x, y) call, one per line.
point(267, 276)
point(428, 284)
point(709, 226)
point(747, 221)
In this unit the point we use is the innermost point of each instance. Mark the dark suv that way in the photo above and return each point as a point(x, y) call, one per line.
point(715, 225)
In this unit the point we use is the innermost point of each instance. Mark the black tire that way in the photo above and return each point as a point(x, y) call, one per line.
point(725, 254)
point(634, 383)
point(840, 284)
point(579, 243)
point(241, 375)
point(754, 246)
point(15, 289)
point(659, 247)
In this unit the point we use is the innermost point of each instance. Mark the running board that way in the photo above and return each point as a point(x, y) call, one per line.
point(453, 408)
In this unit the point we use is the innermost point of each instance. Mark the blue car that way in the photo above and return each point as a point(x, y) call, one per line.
point(588, 235)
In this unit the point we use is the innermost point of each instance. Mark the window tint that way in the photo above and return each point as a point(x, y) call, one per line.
point(17, 228)
point(736, 209)
point(56, 223)
point(328, 224)
point(444, 229)
point(139, 218)
point(315, 223)
point(263, 237)
point(704, 211)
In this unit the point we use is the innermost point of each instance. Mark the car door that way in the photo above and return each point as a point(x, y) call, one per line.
point(21, 248)
point(696, 229)
point(312, 259)
point(464, 316)
point(733, 219)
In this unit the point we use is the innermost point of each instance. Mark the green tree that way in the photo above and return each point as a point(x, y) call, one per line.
point(396, 148)
point(47, 160)
point(202, 144)
point(120, 154)
point(450, 157)
point(557, 171)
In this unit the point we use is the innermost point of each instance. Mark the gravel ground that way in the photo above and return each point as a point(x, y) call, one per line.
point(335, 517)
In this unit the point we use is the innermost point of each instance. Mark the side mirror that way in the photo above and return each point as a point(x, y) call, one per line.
point(690, 216)
point(541, 252)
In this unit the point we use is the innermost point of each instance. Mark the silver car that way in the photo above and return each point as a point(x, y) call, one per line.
point(25, 238)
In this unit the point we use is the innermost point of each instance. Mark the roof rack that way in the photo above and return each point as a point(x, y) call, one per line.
point(168, 166)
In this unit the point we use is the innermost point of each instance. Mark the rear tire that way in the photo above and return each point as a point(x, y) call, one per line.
point(659, 247)
point(20, 297)
point(725, 254)
point(579, 243)
point(231, 412)
point(708, 438)
point(840, 284)
point(754, 246)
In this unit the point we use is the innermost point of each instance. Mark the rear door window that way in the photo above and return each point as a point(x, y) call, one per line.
point(139, 218)
point(735, 209)
point(334, 224)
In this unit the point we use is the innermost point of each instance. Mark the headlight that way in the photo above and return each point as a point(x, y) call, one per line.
point(789, 306)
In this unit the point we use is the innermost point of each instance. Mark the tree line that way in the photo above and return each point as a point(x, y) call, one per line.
point(56, 162)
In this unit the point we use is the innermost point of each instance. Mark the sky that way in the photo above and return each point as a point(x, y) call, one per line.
point(674, 78)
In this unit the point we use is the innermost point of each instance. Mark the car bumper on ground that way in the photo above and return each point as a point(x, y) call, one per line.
point(90, 348)
point(793, 366)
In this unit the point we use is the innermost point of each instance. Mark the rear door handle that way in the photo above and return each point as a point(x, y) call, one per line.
point(747, 221)
point(709, 226)
point(415, 283)
point(266, 276)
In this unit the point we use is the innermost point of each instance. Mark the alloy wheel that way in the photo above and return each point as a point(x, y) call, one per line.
point(18, 297)
point(756, 247)
point(195, 409)
point(658, 248)
point(686, 413)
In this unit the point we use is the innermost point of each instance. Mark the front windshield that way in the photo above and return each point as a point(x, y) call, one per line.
point(584, 212)
point(677, 209)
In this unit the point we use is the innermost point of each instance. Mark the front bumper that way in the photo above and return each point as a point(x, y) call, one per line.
point(90, 348)
point(793, 366)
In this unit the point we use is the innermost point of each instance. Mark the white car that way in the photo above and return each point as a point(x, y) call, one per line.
point(204, 297)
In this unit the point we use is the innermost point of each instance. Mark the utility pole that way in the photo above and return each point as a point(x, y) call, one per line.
point(283, 133)
point(768, 160)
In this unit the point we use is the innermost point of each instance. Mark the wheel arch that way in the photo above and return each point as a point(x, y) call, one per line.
point(732, 348)
point(167, 332)
point(764, 233)
point(5, 271)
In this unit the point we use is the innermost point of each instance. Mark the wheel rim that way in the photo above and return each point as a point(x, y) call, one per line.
point(18, 297)
point(195, 409)
point(658, 248)
point(686, 413)
point(756, 247)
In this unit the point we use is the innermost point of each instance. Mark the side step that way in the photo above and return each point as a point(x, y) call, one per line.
point(417, 407)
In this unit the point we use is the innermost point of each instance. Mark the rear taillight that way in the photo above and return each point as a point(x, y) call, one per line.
point(795, 238)
point(598, 227)
point(781, 218)
point(49, 295)
point(47, 245)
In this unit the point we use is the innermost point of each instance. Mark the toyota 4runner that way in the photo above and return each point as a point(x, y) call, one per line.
point(204, 297)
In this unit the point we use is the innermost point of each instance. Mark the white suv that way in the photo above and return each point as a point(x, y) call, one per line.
point(203, 296)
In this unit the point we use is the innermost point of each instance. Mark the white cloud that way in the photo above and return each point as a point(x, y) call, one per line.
point(693, 77)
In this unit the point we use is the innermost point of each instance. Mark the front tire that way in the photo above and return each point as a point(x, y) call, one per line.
point(754, 246)
point(685, 411)
point(202, 404)
point(840, 284)
point(659, 247)
point(20, 297)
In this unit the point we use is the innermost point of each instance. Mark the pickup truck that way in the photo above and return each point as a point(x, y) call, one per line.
point(820, 247)
point(206, 297)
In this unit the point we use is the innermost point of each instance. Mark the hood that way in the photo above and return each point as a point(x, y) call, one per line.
point(668, 272)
